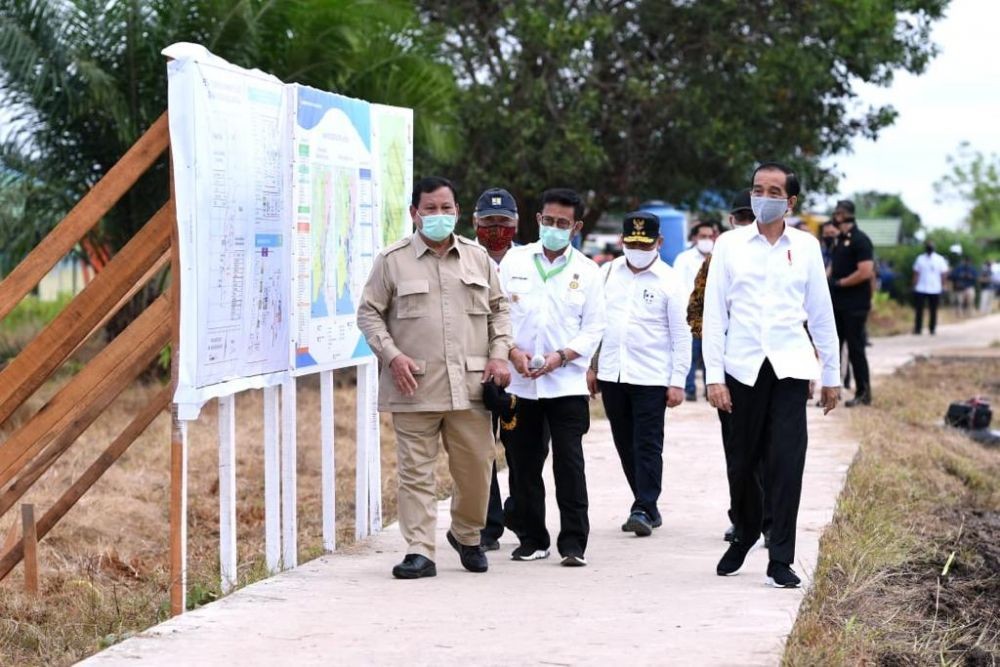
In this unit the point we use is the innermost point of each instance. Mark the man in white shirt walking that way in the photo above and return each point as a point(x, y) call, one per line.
point(688, 264)
point(764, 283)
point(929, 271)
point(557, 313)
point(643, 361)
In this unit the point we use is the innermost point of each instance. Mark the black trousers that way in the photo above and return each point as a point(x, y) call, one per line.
point(726, 425)
point(636, 414)
point(769, 424)
point(499, 512)
point(931, 300)
point(851, 330)
point(568, 419)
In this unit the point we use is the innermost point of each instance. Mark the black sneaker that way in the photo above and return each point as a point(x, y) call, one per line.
point(473, 558)
point(732, 560)
point(860, 399)
point(574, 560)
point(730, 533)
point(415, 566)
point(658, 521)
point(639, 524)
point(489, 545)
point(781, 575)
point(529, 553)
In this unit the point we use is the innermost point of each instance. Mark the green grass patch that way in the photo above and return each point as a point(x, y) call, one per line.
point(909, 569)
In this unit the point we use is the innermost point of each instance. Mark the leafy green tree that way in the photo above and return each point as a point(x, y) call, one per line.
point(975, 179)
point(649, 99)
point(82, 79)
point(872, 204)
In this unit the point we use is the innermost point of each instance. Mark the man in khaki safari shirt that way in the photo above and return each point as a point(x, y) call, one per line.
point(433, 312)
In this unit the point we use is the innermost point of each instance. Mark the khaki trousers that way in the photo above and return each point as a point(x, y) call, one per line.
point(468, 440)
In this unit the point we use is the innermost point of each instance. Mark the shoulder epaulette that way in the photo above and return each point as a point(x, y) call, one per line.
point(398, 245)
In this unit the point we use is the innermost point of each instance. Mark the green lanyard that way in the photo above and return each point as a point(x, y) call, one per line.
point(554, 272)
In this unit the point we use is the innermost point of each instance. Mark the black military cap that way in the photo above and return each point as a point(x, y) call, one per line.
point(640, 227)
point(496, 201)
point(741, 202)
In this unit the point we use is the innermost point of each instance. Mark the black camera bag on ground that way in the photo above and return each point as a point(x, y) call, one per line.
point(973, 414)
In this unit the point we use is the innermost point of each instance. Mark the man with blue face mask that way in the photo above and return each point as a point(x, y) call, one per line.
point(557, 313)
point(434, 313)
point(641, 368)
point(765, 282)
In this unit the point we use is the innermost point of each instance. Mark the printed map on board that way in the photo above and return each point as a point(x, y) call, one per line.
point(392, 134)
point(336, 234)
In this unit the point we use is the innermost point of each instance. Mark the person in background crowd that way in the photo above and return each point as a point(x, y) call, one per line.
point(495, 222)
point(887, 279)
point(987, 292)
point(434, 313)
point(557, 312)
point(687, 264)
point(964, 278)
point(851, 270)
point(764, 283)
point(828, 234)
point(929, 271)
point(642, 364)
point(740, 215)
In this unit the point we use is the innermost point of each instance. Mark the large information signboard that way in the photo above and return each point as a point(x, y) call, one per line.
point(284, 195)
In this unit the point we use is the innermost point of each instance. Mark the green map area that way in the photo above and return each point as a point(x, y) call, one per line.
point(393, 143)
point(334, 192)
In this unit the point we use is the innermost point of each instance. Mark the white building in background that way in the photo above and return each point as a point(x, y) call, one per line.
point(69, 276)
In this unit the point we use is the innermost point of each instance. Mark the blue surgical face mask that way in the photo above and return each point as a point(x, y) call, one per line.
point(767, 209)
point(438, 227)
point(553, 238)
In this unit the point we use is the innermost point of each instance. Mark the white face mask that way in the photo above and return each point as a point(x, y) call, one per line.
point(767, 209)
point(705, 246)
point(641, 259)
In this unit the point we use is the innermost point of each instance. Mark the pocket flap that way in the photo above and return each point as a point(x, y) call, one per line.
point(475, 363)
point(475, 280)
point(413, 287)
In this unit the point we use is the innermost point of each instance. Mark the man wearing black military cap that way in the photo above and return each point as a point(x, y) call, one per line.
point(642, 365)
point(495, 220)
point(852, 265)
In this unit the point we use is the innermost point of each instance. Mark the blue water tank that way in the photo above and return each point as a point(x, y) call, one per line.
point(673, 228)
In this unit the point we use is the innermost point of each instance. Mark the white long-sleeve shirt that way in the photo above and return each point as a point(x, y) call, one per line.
point(687, 265)
point(757, 298)
point(564, 309)
point(647, 341)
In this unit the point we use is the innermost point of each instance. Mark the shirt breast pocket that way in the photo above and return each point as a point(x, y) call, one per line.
point(412, 299)
point(478, 290)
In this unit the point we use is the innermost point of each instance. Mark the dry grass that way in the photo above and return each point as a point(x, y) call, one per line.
point(105, 568)
point(916, 494)
point(891, 318)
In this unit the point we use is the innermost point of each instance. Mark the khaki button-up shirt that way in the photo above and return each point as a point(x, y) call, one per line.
point(447, 313)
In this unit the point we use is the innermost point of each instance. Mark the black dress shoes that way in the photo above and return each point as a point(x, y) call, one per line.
point(473, 558)
point(864, 398)
point(415, 566)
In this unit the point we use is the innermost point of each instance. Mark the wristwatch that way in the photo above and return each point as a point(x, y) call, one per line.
point(562, 358)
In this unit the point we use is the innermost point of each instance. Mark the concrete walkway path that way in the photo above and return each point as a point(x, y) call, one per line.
point(643, 601)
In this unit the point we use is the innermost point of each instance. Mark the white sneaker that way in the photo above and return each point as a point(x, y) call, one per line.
point(522, 553)
point(574, 561)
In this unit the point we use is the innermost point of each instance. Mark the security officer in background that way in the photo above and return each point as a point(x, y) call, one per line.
point(643, 361)
point(495, 221)
point(852, 265)
point(434, 313)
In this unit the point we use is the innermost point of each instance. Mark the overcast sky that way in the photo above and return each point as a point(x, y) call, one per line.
point(956, 99)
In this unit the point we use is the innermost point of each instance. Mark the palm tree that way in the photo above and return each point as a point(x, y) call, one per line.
point(81, 79)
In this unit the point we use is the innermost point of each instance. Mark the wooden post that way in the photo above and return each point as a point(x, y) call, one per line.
point(272, 481)
point(362, 524)
point(289, 495)
point(30, 541)
point(370, 371)
point(227, 492)
point(178, 514)
point(329, 476)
